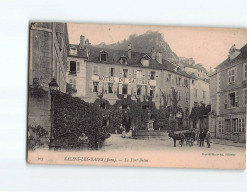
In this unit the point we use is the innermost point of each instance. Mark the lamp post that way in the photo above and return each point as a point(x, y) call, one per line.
point(53, 86)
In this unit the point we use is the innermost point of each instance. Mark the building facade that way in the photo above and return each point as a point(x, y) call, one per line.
point(231, 86)
point(99, 71)
point(48, 59)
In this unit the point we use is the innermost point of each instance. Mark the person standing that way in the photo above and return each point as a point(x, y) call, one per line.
point(208, 137)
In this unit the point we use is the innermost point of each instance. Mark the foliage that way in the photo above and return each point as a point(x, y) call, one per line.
point(72, 118)
point(35, 135)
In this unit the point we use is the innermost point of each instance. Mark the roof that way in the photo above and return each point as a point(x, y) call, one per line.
point(241, 57)
point(93, 55)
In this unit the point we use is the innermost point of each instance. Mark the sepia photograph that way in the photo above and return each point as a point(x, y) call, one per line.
point(137, 95)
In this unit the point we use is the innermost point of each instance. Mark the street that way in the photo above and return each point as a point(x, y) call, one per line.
point(116, 142)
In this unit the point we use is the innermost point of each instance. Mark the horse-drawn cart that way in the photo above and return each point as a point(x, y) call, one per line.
point(186, 135)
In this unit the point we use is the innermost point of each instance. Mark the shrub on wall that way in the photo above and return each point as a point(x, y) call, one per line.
point(74, 117)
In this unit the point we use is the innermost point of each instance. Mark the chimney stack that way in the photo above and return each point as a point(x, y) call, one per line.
point(159, 57)
point(129, 51)
point(153, 53)
point(82, 42)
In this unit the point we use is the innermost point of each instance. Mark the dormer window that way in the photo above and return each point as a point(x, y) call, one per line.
point(103, 56)
point(123, 60)
point(178, 69)
point(145, 60)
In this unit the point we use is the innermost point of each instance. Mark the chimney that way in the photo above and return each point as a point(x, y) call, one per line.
point(129, 51)
point(233, 52)
point(159, 57)
point(153, 53)
point(82, 42)
point(87, 43)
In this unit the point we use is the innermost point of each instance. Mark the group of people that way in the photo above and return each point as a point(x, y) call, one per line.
point(122, 130)
point(201, 136)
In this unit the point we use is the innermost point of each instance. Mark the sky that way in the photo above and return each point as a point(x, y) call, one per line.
point(208, 46)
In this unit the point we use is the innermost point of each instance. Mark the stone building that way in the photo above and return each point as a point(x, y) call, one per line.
point(48, 59)
point(230, 79)
point(95, 71)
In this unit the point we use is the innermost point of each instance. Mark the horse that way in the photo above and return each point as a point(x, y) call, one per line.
point(175, 137)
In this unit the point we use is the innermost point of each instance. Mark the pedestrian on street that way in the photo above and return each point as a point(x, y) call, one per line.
point(208, 138)
point(201, 138)
point(121, 129)
point(124, 132)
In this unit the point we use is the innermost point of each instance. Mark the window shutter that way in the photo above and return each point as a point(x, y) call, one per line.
point(114, 88)
point(121, 72)
point(68, 65)
point(129, 72)
point(120, 88)
point(149, 75)
point(148, 90)
point(129, 89)
point(105, 87)
point(109, 71)
point(77, 66)
point(156, 89)
point(134, 74)
point(143, 90)
point(100, 87)
point(226, 101)
point(236, 99)
point(90, 87)
point(134, 89)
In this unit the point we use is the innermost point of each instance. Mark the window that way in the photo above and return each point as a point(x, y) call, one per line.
point(179, 81)
point(72, 67)
point(195, 93)
point(221, 125)
point(231, 75)
point(103, 56)
point(110, 87)
point(186, 96)
point(185, 83)
point(152, 77)
point(245, 96)
point(204, 94)
point(241, 124)
point(95, 86)
point(95, 70)
point(151, 91)
point(123, 60)
point(233, 98)
point(245, 70)
point(193, 82)
point(169, 78)
point(125, 73)
point(125, 89)
point(124, 106)
point(112, 72)
point(138, 74)
point(139, 90)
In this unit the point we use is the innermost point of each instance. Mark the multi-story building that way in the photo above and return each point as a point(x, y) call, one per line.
point(48, 59)
point(93, 71)
point(230, 79)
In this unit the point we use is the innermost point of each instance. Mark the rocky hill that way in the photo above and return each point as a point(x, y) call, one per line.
point(143, 43)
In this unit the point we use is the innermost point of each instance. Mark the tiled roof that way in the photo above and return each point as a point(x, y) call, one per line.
point(93, 55)
point(241, 57)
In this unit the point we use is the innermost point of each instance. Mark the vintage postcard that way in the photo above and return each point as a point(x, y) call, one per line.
point(132, 95)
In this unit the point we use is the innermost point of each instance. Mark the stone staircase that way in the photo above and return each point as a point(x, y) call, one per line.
point(146, 135)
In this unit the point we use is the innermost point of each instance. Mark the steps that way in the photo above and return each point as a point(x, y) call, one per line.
point(144, 134)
